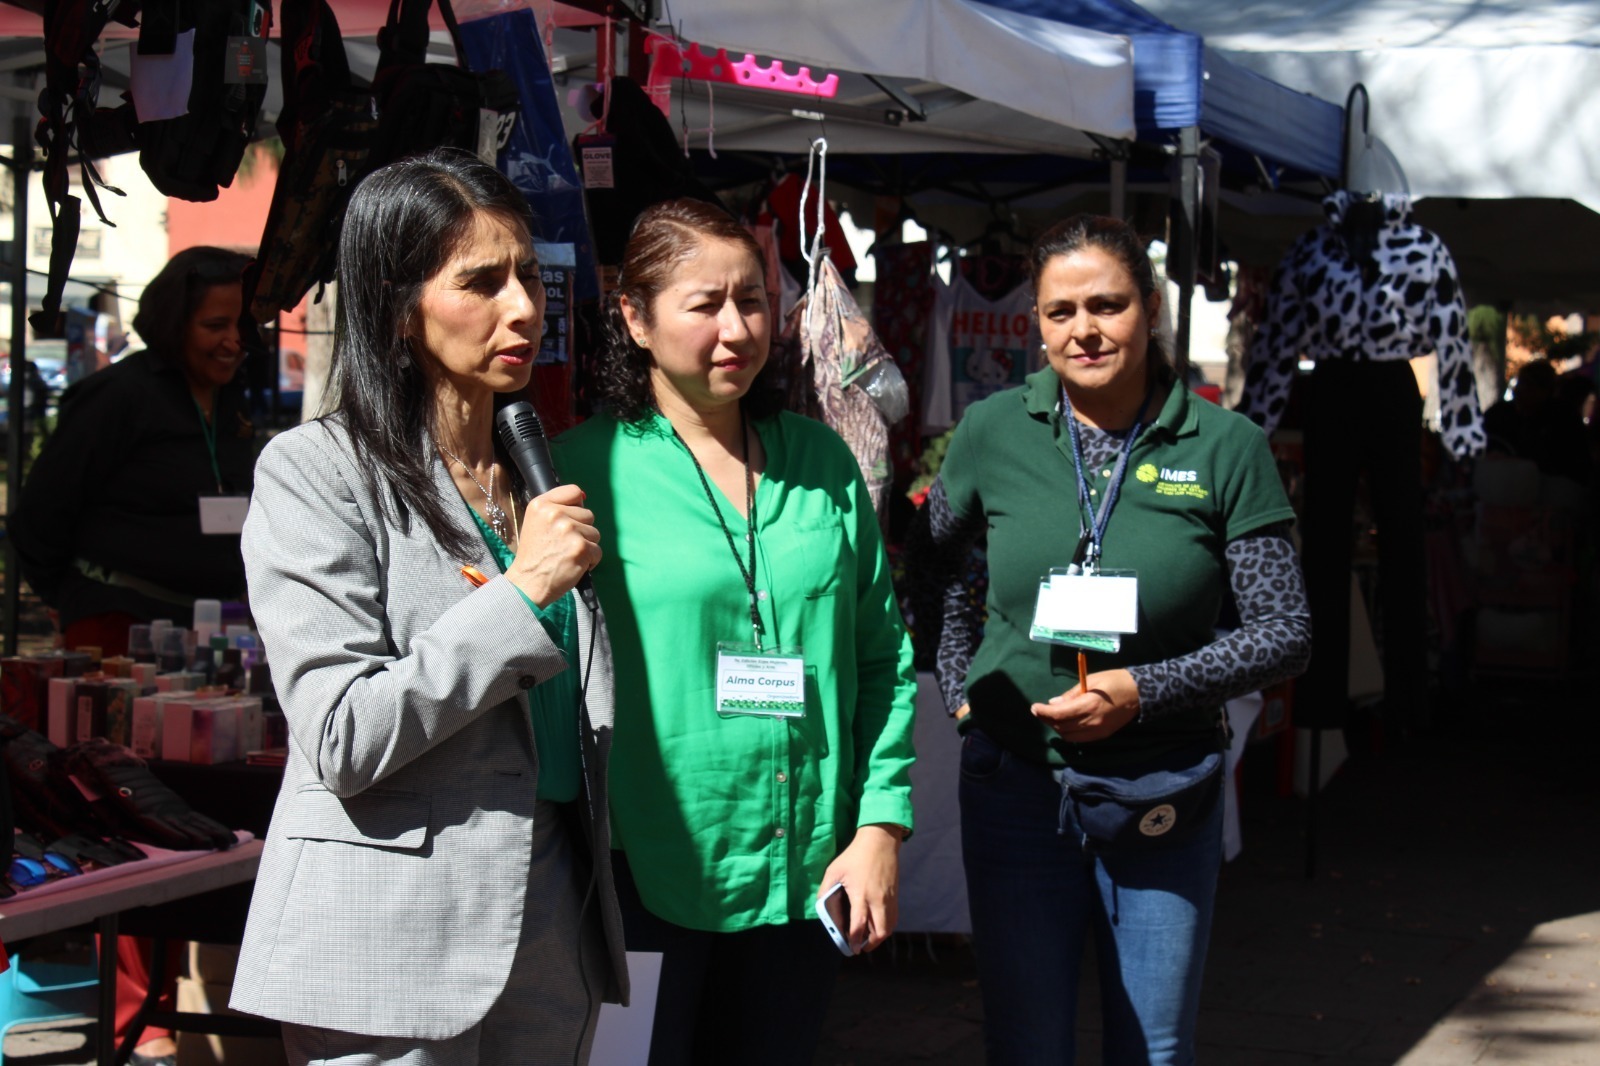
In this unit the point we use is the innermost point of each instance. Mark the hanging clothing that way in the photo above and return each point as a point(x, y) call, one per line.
point(783, 201)
point(1386, 450)
point(976, 347)
point(783, 291)
point(1352, 293)
point(902, 300)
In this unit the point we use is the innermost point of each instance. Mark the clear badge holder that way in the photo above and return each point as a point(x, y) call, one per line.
point(1086, 610)
point(760, 682)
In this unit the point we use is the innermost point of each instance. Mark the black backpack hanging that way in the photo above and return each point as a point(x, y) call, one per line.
point(327, 126)
point(422, 105)
point(194, 155)
point(336, 132)
point(72, 123)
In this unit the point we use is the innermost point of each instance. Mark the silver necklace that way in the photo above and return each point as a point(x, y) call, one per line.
point(491, 507)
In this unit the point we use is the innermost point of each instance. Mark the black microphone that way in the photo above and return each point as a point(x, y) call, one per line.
point(521, 434)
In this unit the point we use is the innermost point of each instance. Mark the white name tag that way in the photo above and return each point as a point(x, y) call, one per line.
point(767, 684)
point(223, 514)
point(1074, 605)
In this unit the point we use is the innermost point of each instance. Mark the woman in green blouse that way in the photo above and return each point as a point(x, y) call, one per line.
point(765, 688)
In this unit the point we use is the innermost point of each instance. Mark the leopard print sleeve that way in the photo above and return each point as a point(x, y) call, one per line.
point(1275, 352)
point(947, 615)
point(1459, 417)
point(1273, 640)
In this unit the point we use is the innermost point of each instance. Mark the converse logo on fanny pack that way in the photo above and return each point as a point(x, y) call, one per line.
point(1158, 820)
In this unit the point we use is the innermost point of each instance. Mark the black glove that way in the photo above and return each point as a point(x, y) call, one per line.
point(86, 852)
point(141, 807)
point(47, 802)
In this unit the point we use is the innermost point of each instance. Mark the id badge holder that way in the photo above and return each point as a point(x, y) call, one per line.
point(1086, 610)
point(760, 682)
point(223, 515)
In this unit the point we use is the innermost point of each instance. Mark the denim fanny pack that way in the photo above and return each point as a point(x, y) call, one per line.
point(1156, 805)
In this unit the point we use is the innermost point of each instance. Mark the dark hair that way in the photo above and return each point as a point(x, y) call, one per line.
point(404, 223)
point(170, 300)
point(1540, 373)
point(1119, 240)
point(665, 236)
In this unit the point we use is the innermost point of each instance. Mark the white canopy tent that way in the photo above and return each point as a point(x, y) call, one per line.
point(1061, 76)
point(1490, 109)
point(1478, 100)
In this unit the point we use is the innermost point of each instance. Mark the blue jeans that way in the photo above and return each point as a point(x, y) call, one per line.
point(1035, 892)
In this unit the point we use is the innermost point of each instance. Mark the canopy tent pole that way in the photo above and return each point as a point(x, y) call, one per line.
point(1182, 250)
point(21, 166)
point(1119, 187)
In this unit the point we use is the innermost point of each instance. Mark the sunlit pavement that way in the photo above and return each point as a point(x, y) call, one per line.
point(1454, 917)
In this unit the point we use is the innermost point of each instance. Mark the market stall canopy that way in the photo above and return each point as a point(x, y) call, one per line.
point(1180, 81)
point(1044, 77)
point(1478, 100)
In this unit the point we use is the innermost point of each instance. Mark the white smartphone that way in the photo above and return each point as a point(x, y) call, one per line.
point(834, 910)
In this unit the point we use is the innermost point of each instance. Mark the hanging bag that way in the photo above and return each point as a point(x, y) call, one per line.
point(194, 155)
point(422, 105)
point(327, 125)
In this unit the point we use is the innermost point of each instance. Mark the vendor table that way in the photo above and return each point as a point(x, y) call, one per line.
point(103, 901)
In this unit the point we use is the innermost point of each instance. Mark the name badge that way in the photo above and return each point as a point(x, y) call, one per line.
point(1086, 610)
point(769, 683)
point(223, 514)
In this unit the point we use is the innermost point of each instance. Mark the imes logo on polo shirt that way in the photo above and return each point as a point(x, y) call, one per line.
point(1172, 482)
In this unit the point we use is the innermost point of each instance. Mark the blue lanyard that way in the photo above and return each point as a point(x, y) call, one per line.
point(1095, 528)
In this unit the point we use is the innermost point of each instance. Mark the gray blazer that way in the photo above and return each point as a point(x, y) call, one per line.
point(391, 892)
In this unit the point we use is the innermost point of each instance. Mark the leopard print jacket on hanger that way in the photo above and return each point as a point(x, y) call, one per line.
point(1320, 309)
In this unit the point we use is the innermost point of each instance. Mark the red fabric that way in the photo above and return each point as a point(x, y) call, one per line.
point(784, 200)
point(108, 632)
point(133, 978)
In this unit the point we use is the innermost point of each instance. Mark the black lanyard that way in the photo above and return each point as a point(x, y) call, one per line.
point(209, 432)
point(1095, 527)
point(746, 572)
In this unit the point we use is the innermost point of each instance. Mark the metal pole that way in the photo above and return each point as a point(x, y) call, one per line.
point(1313, 786)
point(1119, 186)
point(1184, 240)
point(21, 170)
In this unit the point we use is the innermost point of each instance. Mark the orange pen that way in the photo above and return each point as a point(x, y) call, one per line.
point(474, 575)
point(1083, 671)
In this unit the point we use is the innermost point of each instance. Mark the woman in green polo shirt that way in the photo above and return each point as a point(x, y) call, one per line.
point(1120, 514)
point(765, 688)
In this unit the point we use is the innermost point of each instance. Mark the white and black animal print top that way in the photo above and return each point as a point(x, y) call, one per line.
point(1397, 298)
point(1273, 638)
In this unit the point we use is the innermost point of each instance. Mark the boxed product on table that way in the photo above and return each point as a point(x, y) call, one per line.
point(105, 708)
point(24, 687)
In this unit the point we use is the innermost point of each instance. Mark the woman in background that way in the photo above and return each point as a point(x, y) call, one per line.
point(108, 527)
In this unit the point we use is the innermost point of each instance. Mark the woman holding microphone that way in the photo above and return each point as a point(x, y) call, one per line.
point(436, 886)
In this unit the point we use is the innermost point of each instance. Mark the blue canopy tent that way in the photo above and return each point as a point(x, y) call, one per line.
point(1179, 83)
point(1183, 92)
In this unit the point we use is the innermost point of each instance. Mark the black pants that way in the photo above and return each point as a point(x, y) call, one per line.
point(1364, 418)
point(731, 999)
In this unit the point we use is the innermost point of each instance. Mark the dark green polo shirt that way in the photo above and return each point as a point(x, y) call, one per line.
point(1198, 478)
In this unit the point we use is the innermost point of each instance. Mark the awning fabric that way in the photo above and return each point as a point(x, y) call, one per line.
point(1179, 81)
point(1476, 100)
point(1047, 70)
